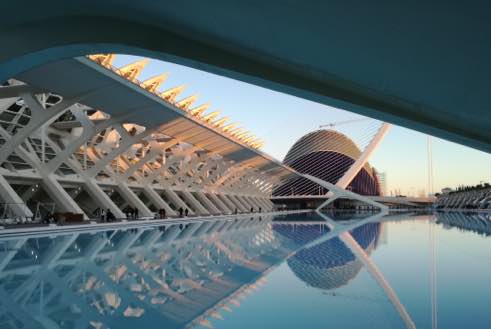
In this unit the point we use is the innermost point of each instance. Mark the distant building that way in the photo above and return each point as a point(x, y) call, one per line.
point(325, 154)
point(382, 183)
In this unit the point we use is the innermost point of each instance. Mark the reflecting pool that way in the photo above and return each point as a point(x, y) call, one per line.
point(290, 271)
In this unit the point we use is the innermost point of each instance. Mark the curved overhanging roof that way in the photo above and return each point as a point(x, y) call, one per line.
point(105, 90)
point(420, 65)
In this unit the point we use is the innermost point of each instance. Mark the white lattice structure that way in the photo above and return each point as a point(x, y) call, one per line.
point(87, 136)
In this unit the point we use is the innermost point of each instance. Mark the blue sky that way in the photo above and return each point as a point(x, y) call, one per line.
point(281, 119)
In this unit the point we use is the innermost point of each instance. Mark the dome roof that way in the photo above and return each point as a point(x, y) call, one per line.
point(322, 140)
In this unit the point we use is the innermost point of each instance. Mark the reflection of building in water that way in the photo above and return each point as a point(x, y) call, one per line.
point(330, 264)
point(170, 276)
point(475, 222)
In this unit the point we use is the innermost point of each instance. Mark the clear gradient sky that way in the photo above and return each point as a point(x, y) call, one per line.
point(280, 119)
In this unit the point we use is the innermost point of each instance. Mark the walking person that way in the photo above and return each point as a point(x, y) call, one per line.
point(103, 215)
point(110, 216)
point(136, 213)
point(180, 212)
point(186, 212)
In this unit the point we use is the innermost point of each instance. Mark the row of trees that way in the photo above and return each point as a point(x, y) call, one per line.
point(465, 188)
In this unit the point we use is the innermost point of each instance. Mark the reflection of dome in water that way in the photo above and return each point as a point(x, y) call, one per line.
point(331, 264)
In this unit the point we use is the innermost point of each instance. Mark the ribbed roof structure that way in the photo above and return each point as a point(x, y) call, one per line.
point(326, 154)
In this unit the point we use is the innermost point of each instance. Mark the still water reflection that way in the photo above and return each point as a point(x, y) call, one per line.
point(295, 271)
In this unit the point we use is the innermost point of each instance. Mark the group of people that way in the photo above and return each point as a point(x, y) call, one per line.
point(185, 211)
point(259, 210)
point(163, 214)
point(131, 213)
point(107, 216)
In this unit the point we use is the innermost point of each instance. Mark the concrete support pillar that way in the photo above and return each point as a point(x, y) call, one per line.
point(259, 202)
point(61, 197)
point(246, 202)
point(198, 207)
point(16, 204)
point(207, 203)
point(99, 196)
point(130, 196)
point(267, 205)
point(256, 202)
point(237, 203)
point(226, 201)
point(157, 201)
point(220, 203)
point(177, 200)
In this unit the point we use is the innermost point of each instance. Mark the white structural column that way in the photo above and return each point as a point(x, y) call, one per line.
point(236, 202)
point(262, 203)
point(61, 197)
point(99, 196)
point(49, 183)
point(16, 204)
point(133, 199)
point(227, 202)
point(255, 202)
point(208, 204)
point(39, 117)
point(177, 200)
point(157, 201)
point(124, 190)
point(349, 175)
point(198, 208)
point(245, 202)
point(233, 203)
point(267, 205)
point(220, 203)
point(244, 205)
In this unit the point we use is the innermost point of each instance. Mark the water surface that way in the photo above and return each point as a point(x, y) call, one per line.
point(295, 271)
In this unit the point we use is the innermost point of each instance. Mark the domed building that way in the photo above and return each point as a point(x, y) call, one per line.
point(325, 154)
